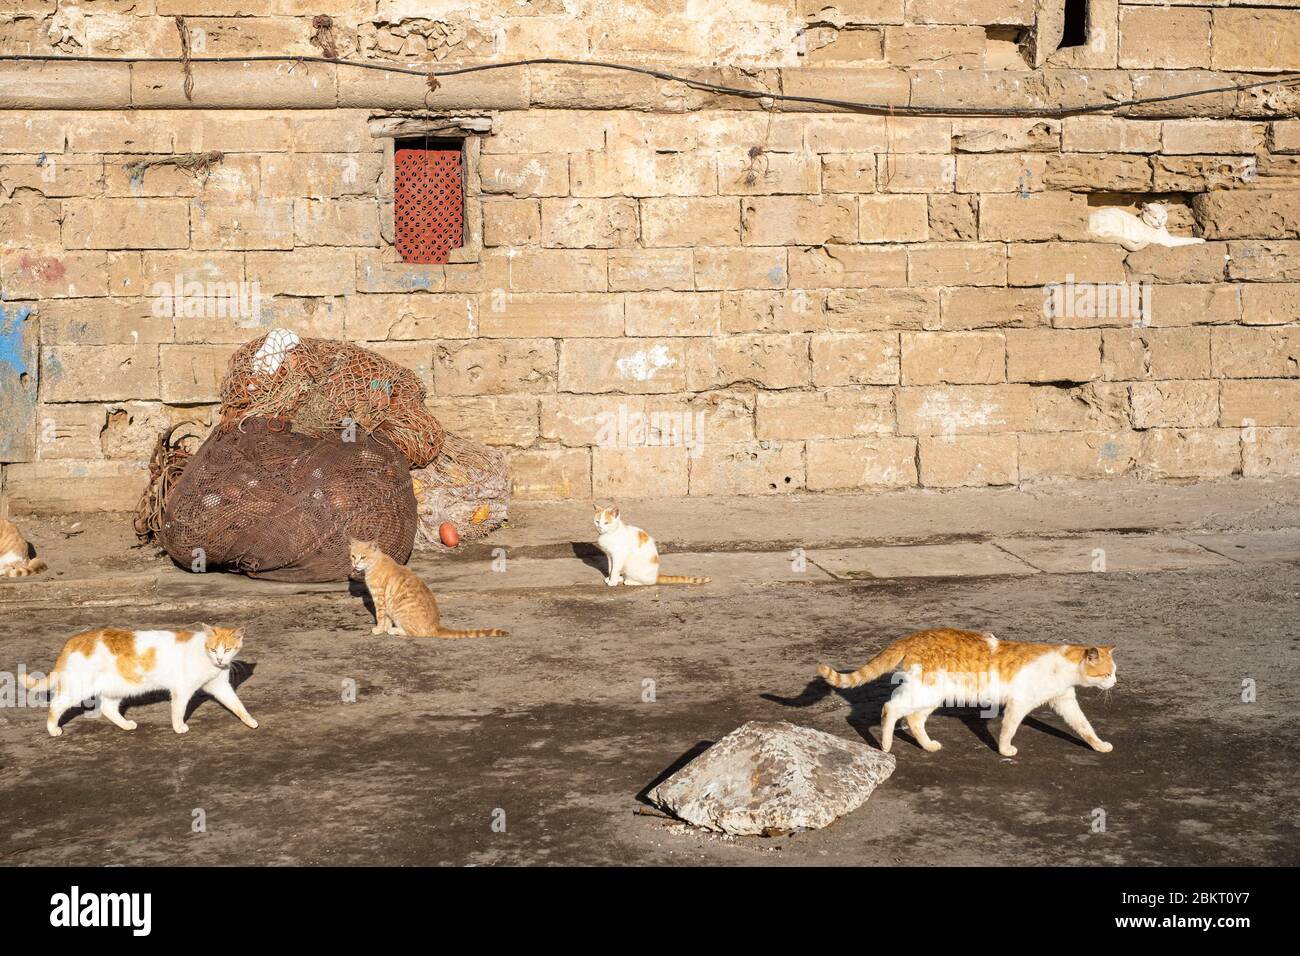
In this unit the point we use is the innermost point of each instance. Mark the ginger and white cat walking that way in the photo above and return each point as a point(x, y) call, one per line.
point(632, 554)
point(952, 668)
point(116, 665)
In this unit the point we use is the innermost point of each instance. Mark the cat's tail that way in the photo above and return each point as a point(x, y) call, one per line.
point(35, 683)
point(680, 579)
point(476, 632)
point(886, 660)
point(34, 566)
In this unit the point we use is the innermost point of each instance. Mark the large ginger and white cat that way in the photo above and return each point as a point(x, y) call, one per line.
point(14, 551)
point(951, 668)
point(404, 606)
point(116, 665)
point(632, 554)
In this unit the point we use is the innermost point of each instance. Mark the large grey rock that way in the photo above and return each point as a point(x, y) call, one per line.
point(765, 778)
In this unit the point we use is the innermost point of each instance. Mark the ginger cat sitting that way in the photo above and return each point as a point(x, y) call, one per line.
point(14, 549)
point(632, 554)
point(952, 668)
point(115, 665)
point(403, 605)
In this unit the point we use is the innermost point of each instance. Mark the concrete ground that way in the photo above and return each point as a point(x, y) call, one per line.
point(533, 748)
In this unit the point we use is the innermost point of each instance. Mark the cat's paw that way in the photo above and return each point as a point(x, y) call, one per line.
point(1103, 747)
point(55, 731)
point(130, 725)
point(378, 630)
point(249, 722)
point(1008, 751)
point(181, 728)
point(932, 746)
point(612, 582)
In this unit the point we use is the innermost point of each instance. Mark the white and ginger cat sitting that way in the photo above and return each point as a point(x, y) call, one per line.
point(633, 557)
point(14, 551)
point(116, 665)
point(948, 667)
point(403, 605)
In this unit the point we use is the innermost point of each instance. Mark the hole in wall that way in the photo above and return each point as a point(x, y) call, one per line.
point(1005, 48)
point(1178, 205)
point(1076, 24)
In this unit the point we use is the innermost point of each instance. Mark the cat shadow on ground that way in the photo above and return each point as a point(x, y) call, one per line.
point(865, 703)
point(358, 589)
point(240, 671)
point(591, 556)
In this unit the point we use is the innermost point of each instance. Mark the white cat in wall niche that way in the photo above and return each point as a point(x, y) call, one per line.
point(1136, 232)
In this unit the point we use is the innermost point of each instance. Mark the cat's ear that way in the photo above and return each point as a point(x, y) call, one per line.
point(595, 507)
point(207, 631)
point(239, 635)
point(1092, 655)
point(614, 513)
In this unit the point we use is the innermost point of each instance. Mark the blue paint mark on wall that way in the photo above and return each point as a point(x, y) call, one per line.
point(11, 336)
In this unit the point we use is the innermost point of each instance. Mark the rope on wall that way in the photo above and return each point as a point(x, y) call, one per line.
point(847, 105)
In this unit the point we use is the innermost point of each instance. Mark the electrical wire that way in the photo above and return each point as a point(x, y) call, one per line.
point(703, 85)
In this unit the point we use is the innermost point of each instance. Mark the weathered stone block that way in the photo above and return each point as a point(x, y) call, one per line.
point(126, 224)
point(674, 313)
point(749, 468)
point(548, 474)
point(1175, 404)
point(876, 462)
point(957, 263)
point(748, 268)
point(1053, 355)
point(1035, 216)
point(868, 358)
point(964, 409)
point(494, 366)
point(1155, 354)
point(1255, 353)
point(699, 221)
point(90, 373)
point(968, 460)
point(903, 218)
point(836, 413)
point(769, 361)
point(629, 365)
point(957, 358)
point(644, 472)
point(799, 220)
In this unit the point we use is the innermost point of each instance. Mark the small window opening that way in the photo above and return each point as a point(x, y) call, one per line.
point(428, 199)
point(1076, 24)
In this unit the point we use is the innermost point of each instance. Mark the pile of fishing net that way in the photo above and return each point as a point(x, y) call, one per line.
point(274, 503)
point(468, 485)
point(321, 386)
point(315, 445)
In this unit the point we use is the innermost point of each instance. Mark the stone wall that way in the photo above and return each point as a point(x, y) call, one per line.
point(672, 291)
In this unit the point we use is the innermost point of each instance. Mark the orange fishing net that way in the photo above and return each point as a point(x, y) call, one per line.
point(325, 386)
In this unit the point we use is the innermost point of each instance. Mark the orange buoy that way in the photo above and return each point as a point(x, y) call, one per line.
point(447, 533)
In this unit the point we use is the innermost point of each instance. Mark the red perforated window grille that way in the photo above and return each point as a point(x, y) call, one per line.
point(428, 201)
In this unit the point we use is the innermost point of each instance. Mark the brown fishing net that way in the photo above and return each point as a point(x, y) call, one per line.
point(321, 385)
point(273, 503)
point(468, 484)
